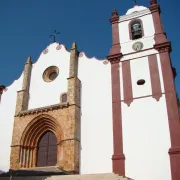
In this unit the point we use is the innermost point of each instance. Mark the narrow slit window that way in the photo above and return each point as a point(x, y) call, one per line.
point(64, 98)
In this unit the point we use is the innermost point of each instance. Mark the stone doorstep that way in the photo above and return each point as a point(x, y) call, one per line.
point(46, 169)
point(35, 172)
point(103, 176)
point(108, 176)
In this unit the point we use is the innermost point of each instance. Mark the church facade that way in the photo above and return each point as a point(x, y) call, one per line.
point(89, 116)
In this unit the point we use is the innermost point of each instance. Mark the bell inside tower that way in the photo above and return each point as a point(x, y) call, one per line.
point(136, 30)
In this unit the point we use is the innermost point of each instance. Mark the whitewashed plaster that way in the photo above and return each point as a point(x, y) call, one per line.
point(136, 9)
point(147, 39)
point(139, 54)
point(160, 73)
point(96, 118)
point(121, 81)
point(7, 111)
point(146, 139)
point(43, 93)
point(140, 70)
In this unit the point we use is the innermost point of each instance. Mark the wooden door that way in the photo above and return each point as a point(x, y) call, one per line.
point(47, 150)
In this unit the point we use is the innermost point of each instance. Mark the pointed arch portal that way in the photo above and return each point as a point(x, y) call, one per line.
point(39, 142)
point(47, 150)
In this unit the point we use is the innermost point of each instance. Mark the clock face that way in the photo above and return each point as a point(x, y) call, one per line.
point(137, 46)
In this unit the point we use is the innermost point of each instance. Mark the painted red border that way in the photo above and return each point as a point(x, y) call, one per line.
point(155, 79)
point(173, 114)
point(118, 158)
point(164, 48)
point(127, 82)
point(160, 35)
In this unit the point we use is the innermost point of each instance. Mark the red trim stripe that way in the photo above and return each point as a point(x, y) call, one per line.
point(173, 115)
point(155, 79)
point(127, 83)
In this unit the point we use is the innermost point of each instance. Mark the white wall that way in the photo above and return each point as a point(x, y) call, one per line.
point(146, 139)
point(148, 26)
point(160, 73)
point(41, 92)
point(140, 70)
point(96, 119)
point(7, 111)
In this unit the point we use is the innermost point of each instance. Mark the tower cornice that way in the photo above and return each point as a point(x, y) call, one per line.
point(163, 47)
point(114, 58)
point(155, 7)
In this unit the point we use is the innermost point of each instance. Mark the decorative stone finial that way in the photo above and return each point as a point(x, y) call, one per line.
point(2, 87)
point(115, 17)
point(74, 46)
point(73, 69)
point(153, 2)
point(114, 13)
point(28, 61)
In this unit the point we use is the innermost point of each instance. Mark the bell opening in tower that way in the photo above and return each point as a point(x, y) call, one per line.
point(136, 30)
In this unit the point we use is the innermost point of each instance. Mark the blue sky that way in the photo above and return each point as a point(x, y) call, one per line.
point(26, 26)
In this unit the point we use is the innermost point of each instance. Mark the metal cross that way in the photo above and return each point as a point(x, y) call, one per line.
point(135, 2)
point(54, 35)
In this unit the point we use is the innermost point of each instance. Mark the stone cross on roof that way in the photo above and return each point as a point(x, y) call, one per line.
point(54, 35)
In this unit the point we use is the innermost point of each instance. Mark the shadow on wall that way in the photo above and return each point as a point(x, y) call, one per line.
point(28, 175)
point(26, 178)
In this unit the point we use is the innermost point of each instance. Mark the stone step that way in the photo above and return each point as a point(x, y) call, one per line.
point(105, 176)
point(108, 176)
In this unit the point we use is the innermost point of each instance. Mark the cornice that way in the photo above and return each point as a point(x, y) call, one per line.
point(163, 47)
point(114, 20)
point(43, 109)
point(154, 8)
point(114, 58)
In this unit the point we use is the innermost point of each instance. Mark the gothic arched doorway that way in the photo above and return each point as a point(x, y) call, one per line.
point(47, 150)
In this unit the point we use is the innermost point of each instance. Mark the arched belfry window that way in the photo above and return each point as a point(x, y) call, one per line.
point(136, 29)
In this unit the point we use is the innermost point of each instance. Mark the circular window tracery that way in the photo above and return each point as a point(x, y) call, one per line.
point(51, 73)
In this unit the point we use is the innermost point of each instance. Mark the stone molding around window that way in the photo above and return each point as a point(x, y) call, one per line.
point(50, 74)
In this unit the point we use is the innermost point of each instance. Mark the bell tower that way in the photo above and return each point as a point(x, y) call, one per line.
point(146, 126)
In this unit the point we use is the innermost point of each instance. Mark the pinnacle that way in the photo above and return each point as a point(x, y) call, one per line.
point(74, 46)
point(2, 87)
point(152, 2)
point(114, 12)
point(28, 61)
